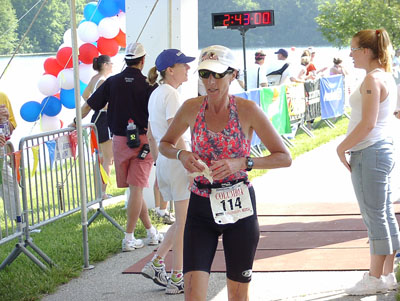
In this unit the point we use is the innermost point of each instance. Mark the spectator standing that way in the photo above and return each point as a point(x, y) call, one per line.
point(8, 124)
point(337, 68)
point(127, 96)
point(370, 145)
point(256, 73)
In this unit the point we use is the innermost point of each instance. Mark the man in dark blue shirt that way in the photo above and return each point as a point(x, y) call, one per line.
point(127, 95)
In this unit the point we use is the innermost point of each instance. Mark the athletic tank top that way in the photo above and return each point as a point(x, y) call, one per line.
point(231, 142)
point(383, 124)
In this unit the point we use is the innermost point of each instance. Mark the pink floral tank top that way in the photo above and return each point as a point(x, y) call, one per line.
point(231, 142)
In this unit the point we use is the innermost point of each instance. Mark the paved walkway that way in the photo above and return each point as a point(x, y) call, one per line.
point(316, 176)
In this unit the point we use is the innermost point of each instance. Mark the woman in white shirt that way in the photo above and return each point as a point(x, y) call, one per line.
point(371, 156)
point(172, 178)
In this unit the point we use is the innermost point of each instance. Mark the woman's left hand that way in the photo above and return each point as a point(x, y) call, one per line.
point(342, 156)
point(223, 168)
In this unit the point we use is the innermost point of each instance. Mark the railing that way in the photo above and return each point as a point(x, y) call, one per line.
point(295, 104)
point(46, 169)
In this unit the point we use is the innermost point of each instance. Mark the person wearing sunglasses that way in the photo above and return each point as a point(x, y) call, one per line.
point(222, 199)
point(172, 178)
point(370, 145)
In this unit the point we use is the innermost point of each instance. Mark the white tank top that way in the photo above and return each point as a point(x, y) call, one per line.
point(382, 127)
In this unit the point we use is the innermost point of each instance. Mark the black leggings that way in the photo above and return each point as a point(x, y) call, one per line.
point(240, 240)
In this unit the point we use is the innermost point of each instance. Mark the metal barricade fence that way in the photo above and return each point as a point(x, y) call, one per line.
point(49, 180)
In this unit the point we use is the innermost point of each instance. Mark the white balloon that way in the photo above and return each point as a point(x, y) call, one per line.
point(122, 21)
point(88, 32)
point(48, 85)
point(67, 37)
point(109, 27)
point(48, 123)
point(86, 72)
point(66, 79)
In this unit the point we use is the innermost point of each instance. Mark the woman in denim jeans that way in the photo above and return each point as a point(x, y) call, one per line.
point(371, 156)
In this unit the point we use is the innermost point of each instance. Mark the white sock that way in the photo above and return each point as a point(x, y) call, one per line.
point(157, 209)
point(129, 236)
point(161, 212)
point(152, 230)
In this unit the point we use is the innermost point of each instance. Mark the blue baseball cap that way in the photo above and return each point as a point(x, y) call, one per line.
point(283, 52)
point(170, 57)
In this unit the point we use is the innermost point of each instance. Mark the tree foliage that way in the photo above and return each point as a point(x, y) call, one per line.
point(47, 32)
point(339, 20)
point(8, 26)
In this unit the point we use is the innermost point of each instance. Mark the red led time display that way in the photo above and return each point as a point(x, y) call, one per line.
point(243, 19)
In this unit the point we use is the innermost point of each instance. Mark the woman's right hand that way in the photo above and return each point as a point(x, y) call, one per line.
point(189, 161)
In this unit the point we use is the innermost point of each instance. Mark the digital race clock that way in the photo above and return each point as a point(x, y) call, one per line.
point(249, 19)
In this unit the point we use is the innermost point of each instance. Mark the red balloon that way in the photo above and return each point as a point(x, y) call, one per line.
point(64, 57)
point(121, 39)
point(107, 46)
point(51, 66)
point(87, 52)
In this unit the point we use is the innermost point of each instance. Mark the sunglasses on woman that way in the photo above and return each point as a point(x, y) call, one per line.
point(206, 73)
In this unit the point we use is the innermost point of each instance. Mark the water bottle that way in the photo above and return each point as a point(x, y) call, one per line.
point(132, 134)
point(144, 151)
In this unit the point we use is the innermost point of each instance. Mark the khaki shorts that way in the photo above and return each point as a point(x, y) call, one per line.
point(172, 178)
point(129, 169)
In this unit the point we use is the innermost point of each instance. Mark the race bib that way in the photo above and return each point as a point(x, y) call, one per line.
point(229, 204)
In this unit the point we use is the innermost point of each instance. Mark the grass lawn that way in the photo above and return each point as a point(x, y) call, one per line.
point(62, 240)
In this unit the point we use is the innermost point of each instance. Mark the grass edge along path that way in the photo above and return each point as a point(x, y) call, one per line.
point(62, 240)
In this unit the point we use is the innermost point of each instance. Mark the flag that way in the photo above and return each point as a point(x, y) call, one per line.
point(51, 147)
point(273, 103)
point(35, 153)
point(104, 175)
point(332, 96)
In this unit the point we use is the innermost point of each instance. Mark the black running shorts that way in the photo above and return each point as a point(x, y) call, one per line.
point(239, 240)
point(103, 132)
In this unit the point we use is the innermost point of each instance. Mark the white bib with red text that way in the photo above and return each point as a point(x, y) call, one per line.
point(229, 204)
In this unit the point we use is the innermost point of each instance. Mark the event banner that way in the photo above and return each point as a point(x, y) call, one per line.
point(273, 103)
point(332, 96)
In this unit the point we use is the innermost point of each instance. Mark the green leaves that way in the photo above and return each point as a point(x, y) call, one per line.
point(8, 25)
point(339, 20)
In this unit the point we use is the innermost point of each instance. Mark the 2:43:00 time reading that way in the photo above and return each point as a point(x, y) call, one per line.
point(247, 19)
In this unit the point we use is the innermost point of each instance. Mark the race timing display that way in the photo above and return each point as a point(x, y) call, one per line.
point(243, 19)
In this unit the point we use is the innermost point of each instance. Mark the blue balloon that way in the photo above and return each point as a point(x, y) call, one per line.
point(51, 106)
point(30, 111)
point(68, 98)
point(120, 4)
point(108, 8)
point(91, 13)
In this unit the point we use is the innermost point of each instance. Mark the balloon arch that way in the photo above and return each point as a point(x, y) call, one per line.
point(102, 31)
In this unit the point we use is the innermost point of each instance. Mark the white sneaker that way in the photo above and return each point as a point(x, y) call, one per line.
point(391, 281)
point(130, 245)
point(154, 239)
point(369, 285)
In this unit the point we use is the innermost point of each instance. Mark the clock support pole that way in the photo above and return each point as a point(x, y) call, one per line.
point(243, 34)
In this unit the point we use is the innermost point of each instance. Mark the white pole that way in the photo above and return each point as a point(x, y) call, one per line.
point(80, 142)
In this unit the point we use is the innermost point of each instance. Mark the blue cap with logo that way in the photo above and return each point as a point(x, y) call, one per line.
point(170, 57)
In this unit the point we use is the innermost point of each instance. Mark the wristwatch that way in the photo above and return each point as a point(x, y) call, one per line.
point(249, 164)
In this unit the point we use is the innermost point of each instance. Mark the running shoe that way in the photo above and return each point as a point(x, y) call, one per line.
point(174, 288)
point(157, 274)
point(391, 281)
point(168, 218)
point(131, 245)
point(154, 239)
point(369, 285)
